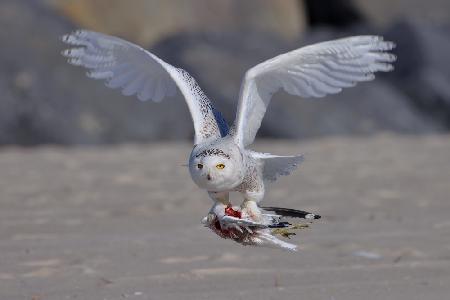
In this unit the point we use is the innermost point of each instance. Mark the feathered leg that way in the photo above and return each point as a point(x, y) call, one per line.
point(250, 208)
point(252, 189)
point(221, 201)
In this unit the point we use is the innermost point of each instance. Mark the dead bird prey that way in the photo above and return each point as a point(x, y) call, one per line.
point(245, 231)
point(221, 161)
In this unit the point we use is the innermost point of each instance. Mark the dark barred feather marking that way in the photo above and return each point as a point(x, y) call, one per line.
point(213, 151)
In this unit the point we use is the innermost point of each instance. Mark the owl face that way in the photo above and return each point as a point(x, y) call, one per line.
point(215, 169)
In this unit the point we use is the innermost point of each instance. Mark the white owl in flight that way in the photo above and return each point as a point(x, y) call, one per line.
point(220, 161)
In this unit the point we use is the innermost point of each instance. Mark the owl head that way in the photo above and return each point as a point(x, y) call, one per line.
point(216, 168)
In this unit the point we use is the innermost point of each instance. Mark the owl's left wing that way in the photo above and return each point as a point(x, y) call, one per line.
point(275, 166)
point(138, 72)
point(312, 71)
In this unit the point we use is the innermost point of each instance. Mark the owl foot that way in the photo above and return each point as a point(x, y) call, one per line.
point(251, 211)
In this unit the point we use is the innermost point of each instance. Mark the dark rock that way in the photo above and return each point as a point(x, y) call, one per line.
point(219, 62)
point(45, 100)
point(335, 13)
point(385, 12)
point(423, 67)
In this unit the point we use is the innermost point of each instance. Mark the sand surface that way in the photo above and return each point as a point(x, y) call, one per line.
point(123, 222)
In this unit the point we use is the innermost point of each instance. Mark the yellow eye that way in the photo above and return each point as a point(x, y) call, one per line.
point(200, 166)
point(220, 166)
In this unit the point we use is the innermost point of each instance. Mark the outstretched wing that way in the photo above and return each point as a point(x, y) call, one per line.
point(139, 72)
point(312, 71)
point(275, 166)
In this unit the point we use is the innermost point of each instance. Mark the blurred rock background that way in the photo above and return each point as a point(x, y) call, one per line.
point(45, 100)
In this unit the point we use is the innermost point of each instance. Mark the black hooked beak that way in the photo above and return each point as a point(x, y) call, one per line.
point(208, 177)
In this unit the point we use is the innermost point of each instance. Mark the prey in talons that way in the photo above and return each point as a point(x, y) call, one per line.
point(231, 223)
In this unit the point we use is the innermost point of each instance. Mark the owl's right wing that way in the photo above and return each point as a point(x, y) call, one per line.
point(136, 71)
point(312, 71)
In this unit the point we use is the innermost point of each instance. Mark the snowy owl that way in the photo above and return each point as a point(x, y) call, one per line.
point(221, 161)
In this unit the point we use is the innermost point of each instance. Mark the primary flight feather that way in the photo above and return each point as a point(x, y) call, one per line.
point(220, 161)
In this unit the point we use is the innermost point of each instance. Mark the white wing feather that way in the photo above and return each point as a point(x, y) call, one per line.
point(312, 71)
point(139, 72)
point(275, 166)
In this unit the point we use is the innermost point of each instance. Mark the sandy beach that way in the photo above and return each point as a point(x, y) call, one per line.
point(123, 222)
